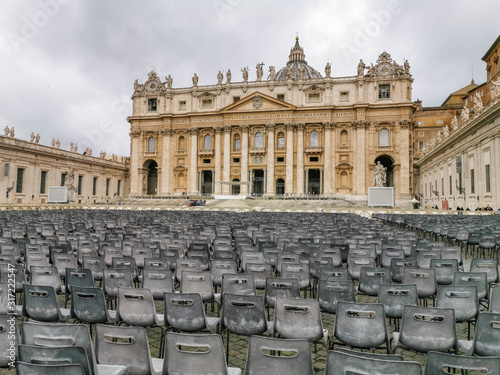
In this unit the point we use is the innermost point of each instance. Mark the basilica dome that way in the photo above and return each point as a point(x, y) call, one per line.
point(297, 62)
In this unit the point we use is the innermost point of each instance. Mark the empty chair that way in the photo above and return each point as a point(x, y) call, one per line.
point(494, 305)
point(158, 281)
point(278, 287)
point(286, 258)
point(114, 279)
point(489, 266)
point(436, 362)
point(126, 263)
point(41, 303)
point(77, 277)
point(341, 362)
point(370, 279)
point(361, 325)
point(55, 356)
point(191, 265)
point(88, 305)
point(445, 270)
point(240, 283)
point(389, 254)
point(298, 271)
point(23, 368)
point(425, 280)
point(425, 257)
point(126, 346)
point(265, 356)
point(478, 279)
point(96, 265)
point(395, 297)
point(136, 307)
point(425, 329)
point(141, 253)
point(187, 354)
point(251, 257)
point(63, 261)
point(452, 252)
point(202, 255)
point(35, 259)
point(221, 266)
point(331, 292)
point(46, 275)
point(398, 265)
point(354, 265)
point(110, 252)
point(486, 336)
point(260, 272)
point(199, 282)
point(334, 274)
point(461, 298)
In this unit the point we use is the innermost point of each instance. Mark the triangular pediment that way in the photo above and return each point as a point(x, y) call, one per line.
point(257, 102)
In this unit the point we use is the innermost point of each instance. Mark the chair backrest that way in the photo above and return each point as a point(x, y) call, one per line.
point(221, 266)
point(479, 279)
point(125, 263)
point(263, 358)
point(251, 257)
point(45, 275)
point(395, 297)
point(141, 253)
point(199, 282)
point(110, 252)
point(59, 334)
point(187, 354)
point(55, 355)
point(437, 363)
point(445, 270)
point(88, 305)
point(389, 254)
point(191, 265)
point(355, 263)
point(78, 277)
point(286, 258)
point(489, 266)
point(125, 346)
point(462, 298)
point(334, 274)
point(136, 307)
point(9, 334)
point(96, 265)
point(63, 261)
point(425, 257)
point(278, 287)
point(184, 312)
point(298, 319)
point(425, 280)
point(424, 329)
point(370, 279)
point(238, 283)
point(316, 263)
point(156, 264)
point(244, 314)
point(115, 278)
point(339, 362)
point(398, 265)
point(487, 335)
point(452, 252)
point(23, 368)
point(158, 280)
point(41, 303)
point(331, 292)
point(260, 272)
point(297, 270)
point(361, 325)
point(494, 305)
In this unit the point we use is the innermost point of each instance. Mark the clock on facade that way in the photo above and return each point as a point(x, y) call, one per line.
point(384, 69)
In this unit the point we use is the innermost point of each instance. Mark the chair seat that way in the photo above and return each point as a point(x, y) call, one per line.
point(466, 346)
point(110, 369)
point(157, 365)
point(212, 322)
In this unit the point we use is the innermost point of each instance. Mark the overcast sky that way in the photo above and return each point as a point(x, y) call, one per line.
point(67, 67)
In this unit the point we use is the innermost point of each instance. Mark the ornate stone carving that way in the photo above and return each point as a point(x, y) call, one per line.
point(300, 126)
point(477, 103)
point(226, 128)
point(404, 124)
point(103, 154)
point(169, 81)
point(379, 174)
point(289, 126)
point(218, 129)
point(53, 140)
point(32, 137)
point(328, 70)
point(384, 67)
point(244, 72)
point(167, 132)
point(272, 73)
point(464, 114)
point(270, 127)
point(228, 77)
point(257, 101)
point(195, 80)
point(193, 131)
point(6, 131)
point(135, 133)
point(244, 128)
point(495, 88)
point(220, 77)
point(327, 125)
point(12, 132)
point(446, 131)
point(37, 139)
point(361, 68)
point(259, 72)
point(454, 123)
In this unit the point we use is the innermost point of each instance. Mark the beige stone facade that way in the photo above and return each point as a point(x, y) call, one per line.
point(29, 169)
point(295, 133)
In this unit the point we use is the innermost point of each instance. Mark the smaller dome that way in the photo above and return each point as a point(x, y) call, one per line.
point(297, 63)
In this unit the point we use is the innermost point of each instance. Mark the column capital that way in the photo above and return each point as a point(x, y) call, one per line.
point(218, 129)
point(289, 126)
point(404, 124)
point(226, 128)
point(328, 126)
point(167, 132)
point(135, 133)
point(193, 131)
point(300, 126)
point(270, 127)
point(244, 128)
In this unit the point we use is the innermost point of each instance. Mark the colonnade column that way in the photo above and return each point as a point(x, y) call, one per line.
point(165, 161)
point(328, 159)
point(270, 159)
point(300, 158)
point(193, 170)
point(404, 177)
point(360, 158)
point(244, 159)
point(227, 159)
point(135, 178)
point(333, 159)
point(289, 159)
point(218, 160)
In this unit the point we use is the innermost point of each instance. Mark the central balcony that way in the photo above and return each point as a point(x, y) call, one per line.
point(314, 150)
point(257, 151)
point(206, 152)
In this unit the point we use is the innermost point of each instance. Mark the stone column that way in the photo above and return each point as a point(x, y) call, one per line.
point(289, 159)
point(135, 176)
point(404, 146)
point(327, 178)
point(270, 159)
point(227, 159)
point(360, 158)
point(244, 189)
point(193, 168)
point(333, 177)
point(171, 181)
point(218, 159)
point(494, 176)
point(165, 162)
point(300, 159)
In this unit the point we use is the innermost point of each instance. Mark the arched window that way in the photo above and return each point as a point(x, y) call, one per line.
point(182, 143)
point(207, 142)
point(281, 140)
point(313, 139)
point(383, 137)
point(344, 138)
point(236, 142)
point(151, 144)
point(259, 140)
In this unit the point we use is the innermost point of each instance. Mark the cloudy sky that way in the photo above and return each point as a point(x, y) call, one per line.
point(67, 67)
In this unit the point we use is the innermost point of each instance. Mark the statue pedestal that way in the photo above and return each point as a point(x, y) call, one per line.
point(72, 196)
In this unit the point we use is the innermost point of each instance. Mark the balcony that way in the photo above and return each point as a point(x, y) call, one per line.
point(257, 151)
point(314, 150)
point(150, 154)
point(205, 152)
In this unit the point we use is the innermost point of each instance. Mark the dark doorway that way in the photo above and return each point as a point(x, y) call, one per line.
point(314, 181)
point(388, 163)
point(280, 186)
point(206, 182)
point(258, 181)
point(235, 189)
point(152, 178)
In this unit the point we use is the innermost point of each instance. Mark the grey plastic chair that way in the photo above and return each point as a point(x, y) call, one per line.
point(370, 279)
point(445, 270)
point(425, 329)
point(298, 271)
point(23, 368)
point(436, 362)
point(361, 325)
point(398, 265)
point(55, 355)
point(46, 275)
point(136, 307)
point(489, 266)
point(425, 280)
point(63, 261)
point(486, 336)
point(41, 303)
point(201, 354)
point(278, 287)
point(96, 265)
point(158, 281)
point(331, 292)
point(463, 299)
point(126, 346)
point(275, 356)
point(114, 279)
point(395, 297)
point(494, 306)
point(190, 265)
point(77, 277)
point(389, 254)
point(339, 362)
point(478, 279)
point(355, 263)
point(334, 274)
point(239, 283)
point(88, 305)
point(260, 272)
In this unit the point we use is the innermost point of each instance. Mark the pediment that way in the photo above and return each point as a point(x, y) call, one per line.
point(257, 102)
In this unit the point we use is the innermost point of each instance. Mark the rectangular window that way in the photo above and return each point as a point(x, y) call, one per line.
point(472, 187)
point(280, 159)
point(118, 187)
point(487, 177)
point(344, 96)
point(442, 186)
point(426, 190)
point(281, 142)
point(384, 91)
point(420, 145)
point(107, 186)
point(43, 181)
point(235, 99)
point(20, 179)
point(281, 97)
point(207, 161)
point(182, 104)
point(460, 183)
point(206, 103)
point(152, 104)
point(313, 159)
point(237, 143)
point(451, 186)
point(6, 169)
point(80, 184)
point(94, 186)
point(236, 160)
point(63, 179)
point(314, 97)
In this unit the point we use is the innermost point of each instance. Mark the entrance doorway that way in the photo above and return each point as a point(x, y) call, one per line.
point(314, 181)
point(258, 182)
point(152, 187)
point(206, 183)
point(235, 189)
point(280, 186)
point(388, 163)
